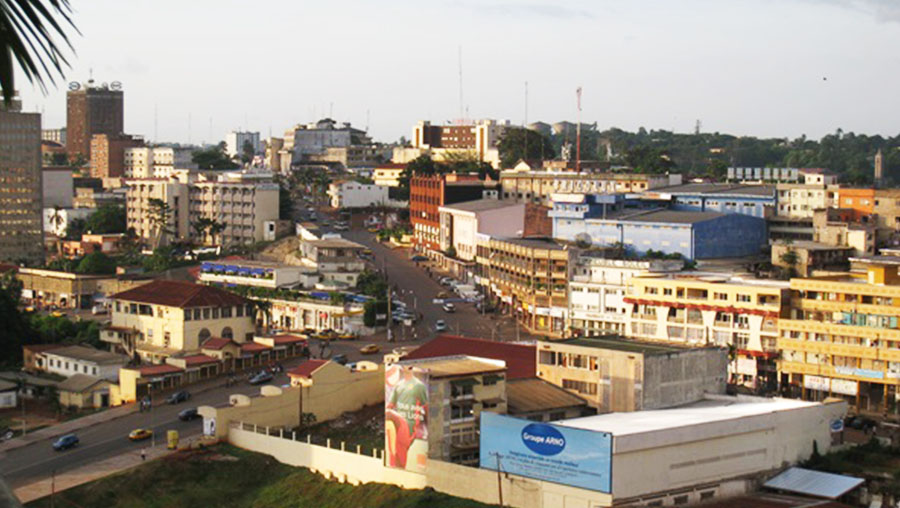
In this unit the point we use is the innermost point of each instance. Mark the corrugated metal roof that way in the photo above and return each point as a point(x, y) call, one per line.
point(813, 483)
point(534, 394)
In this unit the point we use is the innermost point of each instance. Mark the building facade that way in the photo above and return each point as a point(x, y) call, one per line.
point(388, 175)
point(235, 141)
point(71, 360)
point(461, 222)
point(21, 200)
point(538, 186)
point(427, 194)
point(92, 109)
point(352, 194)
point(108, 154)
point(753, 200)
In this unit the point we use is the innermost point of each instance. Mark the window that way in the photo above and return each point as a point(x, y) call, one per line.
point(239, 311)
point(187, 314)
point(743, 298)
point(95, 371)
point(227, 333)
point(118, 306)
point(206, 313)
point(547, 358)
point(460, 390)
point(226, 312)
point(707, 494)
point(582, 387)
point(720, 296)
point(667, 291)
point(167, 337)
point(558, 415)
point(84, 368)
point(197, 314)
point(215, 313)
point(461, 411)
point(680, 499)
point(203, 335)
point(652, 291)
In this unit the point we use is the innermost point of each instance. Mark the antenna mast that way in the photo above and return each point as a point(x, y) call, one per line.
point(461, 116)
point(578, 132)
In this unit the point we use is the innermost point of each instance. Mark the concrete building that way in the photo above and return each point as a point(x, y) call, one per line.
point(841, 228)
point(351, 157)
point(702, 309)
point(352, 194)
point(242, 272)
point(314, 139)
point(92, 108)
point(753, 200)
point(841, 336)
point(477, 140)
point(163, 318)
point(615, 374)
point(600, 221)
point(47, 288)
point(155, 162)
point(599, 286)
point(334, 259)
point(299, 314)
point(83, 391)
point(54, 135)
point(529, 276)
point(861, 201)
point(21, 201)
point(461, 222)
point(811, 256)
point(539, 186)
point(71, 360)
point(108, 154)
point(818, 190)
point(235, 141)
point(57, 186)
point(388, 174)
point(427, 194)
point(767, 175)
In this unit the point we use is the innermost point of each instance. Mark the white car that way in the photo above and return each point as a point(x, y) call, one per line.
point(449, 307)
point(440, 326)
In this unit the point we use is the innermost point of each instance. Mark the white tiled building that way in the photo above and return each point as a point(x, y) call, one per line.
point(68, 361)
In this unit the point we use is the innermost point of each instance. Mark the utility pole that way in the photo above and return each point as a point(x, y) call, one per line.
point(578, 133)
point(499, 481)
point(390, 318)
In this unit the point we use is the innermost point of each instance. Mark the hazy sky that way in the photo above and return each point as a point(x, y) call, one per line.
point(743, 67)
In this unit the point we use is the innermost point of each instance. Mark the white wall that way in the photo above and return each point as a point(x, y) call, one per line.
point(69, 366)
point(66, 215)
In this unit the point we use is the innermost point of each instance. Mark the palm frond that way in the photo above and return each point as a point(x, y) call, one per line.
point(33, 34)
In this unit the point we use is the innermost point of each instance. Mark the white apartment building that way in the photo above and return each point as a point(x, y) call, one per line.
point(388, 175)
point(307, 313)
point(335, 259)
point(235, 140)
point(158, 162)
point(242, 272)
point(818, 190)
point(461, 222)
point(599, 286)
point(351, 194)
point(71, 360)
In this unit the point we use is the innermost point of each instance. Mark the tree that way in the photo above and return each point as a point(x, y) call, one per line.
point(213, 157)
point(517, 144)
point(30, 29)
point(791, 259)
point(75, 228)
point(16, 328)
point(108, 219)
point(96, 263)
point(161, 260)
point(247, 152)
point(56, 221)
point(160, 218)
point(285, 202)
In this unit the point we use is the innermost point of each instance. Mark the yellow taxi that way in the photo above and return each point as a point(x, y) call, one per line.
point(140, 434)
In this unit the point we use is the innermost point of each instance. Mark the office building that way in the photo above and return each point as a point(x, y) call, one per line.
point(428, 193)
point(538, 186)
point(155, 162)
point(235, 141)
point(55, 135)
point(92, 109)
point(21, 201)
point(754, 200)
point(477, 140)
point(71, 360)
point(108, 154)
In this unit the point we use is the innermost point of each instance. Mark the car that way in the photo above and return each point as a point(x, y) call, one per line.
point(261, 377)
point(440, 326)
point(188, 414)
point(177, 397)
point(369, 349)
point(99, 309)
point(57, 313)
point(348, 336)
point(341, 227)
point(340, 359)
point(446, 281)
point(449, 307)
point(140, 434)
point(65, 442)
point(443, 294)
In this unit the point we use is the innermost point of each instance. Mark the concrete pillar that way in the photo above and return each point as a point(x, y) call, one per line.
point(308, 439)
point(281, 433)
point(343, 446)
point(328, 442)
point(293, 436)
point(359, 450)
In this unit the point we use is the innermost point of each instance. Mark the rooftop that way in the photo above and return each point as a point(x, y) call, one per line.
point(198, 360)
point(665, 216)
point(481, 205)
point(711, 409)
point(534, 394)
point(79, 383)
point(460, 365)
point(157, 370)
point(813, 483)
point(721, 189)
point(810, 245)
point(306, 368)
point(535, 242)
point(185, 295)
point(253, 347)
point(216, 343)
point(287, 339)
point(619, 343)
point(519, 358)
point(334, 243)
point(87, 354)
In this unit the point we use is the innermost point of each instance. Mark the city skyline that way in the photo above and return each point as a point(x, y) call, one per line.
point(746, 68)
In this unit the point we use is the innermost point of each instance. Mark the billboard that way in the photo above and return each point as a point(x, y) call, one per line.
point(554, 453)
point(406, 417)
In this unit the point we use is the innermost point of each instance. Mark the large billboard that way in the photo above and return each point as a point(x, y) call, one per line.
point(553, 453)
point(406, 417)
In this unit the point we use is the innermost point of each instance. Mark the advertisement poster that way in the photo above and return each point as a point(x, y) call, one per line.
point(553, 453)
point(406, 418)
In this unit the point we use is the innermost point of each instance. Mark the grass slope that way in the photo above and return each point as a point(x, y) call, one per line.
point(230, 477)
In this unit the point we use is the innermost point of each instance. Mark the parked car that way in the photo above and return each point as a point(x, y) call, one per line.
point(6, 434)
point(369, 349)
point(99, 309)
point(445, 281)
point(449, 307)
point(65, 442)
point(341, 227)
point(348, 336)
point(57, 313)
point(140, 434)
point(261, 377)
point(440, 326)
point(340, 359)
point(188, 414)
point(177, 397)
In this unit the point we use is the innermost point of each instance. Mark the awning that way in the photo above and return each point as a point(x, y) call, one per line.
point(469, 381)
point(495, 400)
point(813, 483)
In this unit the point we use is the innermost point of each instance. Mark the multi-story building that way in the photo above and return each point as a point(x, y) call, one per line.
point(335, 260)
point(21, 202)
point(538, 186)
point(861, 201)
point(389, 174)
point(754, 200)
point(460, 222)
point(92, 109)
point(842, 337)
point(315, 138)
point(155, 162)
point(887, 216)
point(301, 314)
point(599, 286)
point(530, 277)
point(108, 154)
point(841, 227)
point(702, 309)
point(352, 194)
point(235, 141)
point(54, 135)
point(809, 256)
point(71, 360)
point(442, 142)
point(769, 175)
point(353, 156)
point(165, 318)
point(427, 194)
point(242, 272)
point(818, 190)
point(618, 375)
point(151, 201)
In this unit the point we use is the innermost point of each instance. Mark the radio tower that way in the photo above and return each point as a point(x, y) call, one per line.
point(578, 132)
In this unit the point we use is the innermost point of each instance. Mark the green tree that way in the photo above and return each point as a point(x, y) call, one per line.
point(213, 157)
point(160, 220)
point(285, 202)
point(75, 228)
point(517, 143)
point(161, 259)
point(96, 263)
point(247, 152)
point(16, 328)
point(108, 219)
point(31, 32)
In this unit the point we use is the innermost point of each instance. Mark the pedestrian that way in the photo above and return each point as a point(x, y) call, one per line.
point(143, 454)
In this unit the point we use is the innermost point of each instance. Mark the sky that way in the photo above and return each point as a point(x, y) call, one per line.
point(192, 70)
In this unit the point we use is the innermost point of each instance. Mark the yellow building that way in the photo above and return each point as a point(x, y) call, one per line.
point(530, 276)
point(842, 338)
point(164, 318)
point(710, 309)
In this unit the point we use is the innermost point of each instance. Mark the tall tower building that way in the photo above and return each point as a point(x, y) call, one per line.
point(91, 109)
point(21, 231)
point(879, 174)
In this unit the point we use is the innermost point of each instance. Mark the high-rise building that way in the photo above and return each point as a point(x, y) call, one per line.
point(92, 109)
point(235, 141)
point(108, 154)
point(21, 235)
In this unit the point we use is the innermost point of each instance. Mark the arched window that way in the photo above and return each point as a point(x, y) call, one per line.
point(227, 333)
point(203, 335)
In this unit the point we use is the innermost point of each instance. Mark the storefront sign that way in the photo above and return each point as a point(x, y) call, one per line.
point(844, 387)
point(816, 383)
point(851, 371)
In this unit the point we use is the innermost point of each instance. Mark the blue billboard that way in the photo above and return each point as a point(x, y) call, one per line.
point(554, 453)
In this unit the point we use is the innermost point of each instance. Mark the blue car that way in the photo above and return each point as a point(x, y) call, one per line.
point(65, 442)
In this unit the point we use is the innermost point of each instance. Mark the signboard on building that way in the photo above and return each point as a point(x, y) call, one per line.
point(406, 417)
point(844, 387)
point(553, 453)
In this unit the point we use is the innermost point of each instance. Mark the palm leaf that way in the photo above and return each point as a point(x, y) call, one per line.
point(30, 35)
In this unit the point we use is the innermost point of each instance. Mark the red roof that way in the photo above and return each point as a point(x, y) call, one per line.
point(173, 293)
point(216, 343)
point(192, 360)
point(520, 358)
point(156, 370)
point(5, 267)
point(253, 347)
point(287, 339)
point(306, 368)
point(391, 165)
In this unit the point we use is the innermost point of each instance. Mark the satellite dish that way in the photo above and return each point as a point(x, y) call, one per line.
point(115, 85)
point(104, 86)
point(74, 85)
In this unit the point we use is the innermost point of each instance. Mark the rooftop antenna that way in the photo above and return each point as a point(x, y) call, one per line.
point(459, 50)
point(210, 130)
point(155, 123)
point(525, 124)
point(578, 132)
point(189, 128)
point(331, 110)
